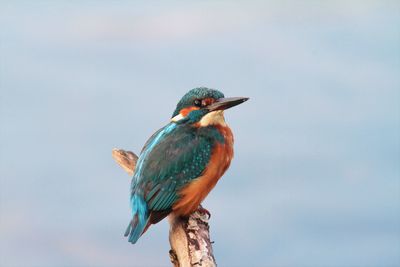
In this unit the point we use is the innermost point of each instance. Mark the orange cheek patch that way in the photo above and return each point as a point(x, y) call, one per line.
point(185, 111)
point(207, 101)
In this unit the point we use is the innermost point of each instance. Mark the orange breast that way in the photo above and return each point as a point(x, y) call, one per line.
point(194, 193)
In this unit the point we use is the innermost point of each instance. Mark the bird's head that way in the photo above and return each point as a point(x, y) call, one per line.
point(204, 106)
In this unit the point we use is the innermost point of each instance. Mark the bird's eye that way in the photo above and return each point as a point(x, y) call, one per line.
point(197, 103)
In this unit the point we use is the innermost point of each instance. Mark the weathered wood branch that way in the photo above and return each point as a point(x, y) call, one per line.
point(125, 159)
point(189, 237)
point(190, 240)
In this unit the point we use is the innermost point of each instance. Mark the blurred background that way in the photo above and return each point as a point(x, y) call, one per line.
point(316, 176)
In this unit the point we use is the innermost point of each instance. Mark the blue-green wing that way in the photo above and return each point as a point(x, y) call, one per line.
point(178, 157)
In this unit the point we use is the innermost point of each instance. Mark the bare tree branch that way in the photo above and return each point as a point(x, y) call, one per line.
point(190, 240)
point(125, 159)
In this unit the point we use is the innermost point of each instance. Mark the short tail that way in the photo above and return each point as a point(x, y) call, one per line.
point(140, 218)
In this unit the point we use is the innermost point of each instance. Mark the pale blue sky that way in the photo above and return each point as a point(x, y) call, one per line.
point(316, 176)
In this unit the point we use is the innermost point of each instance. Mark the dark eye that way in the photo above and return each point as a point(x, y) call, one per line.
point(197, 103)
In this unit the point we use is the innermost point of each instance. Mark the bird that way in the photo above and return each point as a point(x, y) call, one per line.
point(182, 162)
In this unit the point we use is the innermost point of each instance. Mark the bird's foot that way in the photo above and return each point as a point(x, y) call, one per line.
point(204, 211)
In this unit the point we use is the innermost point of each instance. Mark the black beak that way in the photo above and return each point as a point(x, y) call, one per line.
point(225, 103)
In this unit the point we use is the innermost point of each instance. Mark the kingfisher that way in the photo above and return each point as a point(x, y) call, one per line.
point(182, 162)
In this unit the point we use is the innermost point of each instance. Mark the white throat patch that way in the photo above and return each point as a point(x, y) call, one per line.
point(213, 118)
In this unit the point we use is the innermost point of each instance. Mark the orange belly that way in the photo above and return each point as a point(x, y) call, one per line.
point(194, 193)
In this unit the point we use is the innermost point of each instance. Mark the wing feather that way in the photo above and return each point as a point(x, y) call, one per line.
point(178, 158)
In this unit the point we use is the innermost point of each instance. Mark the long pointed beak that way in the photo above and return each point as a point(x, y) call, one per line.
point(225, 103)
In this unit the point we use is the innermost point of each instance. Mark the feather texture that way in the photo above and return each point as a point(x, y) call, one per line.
point(172, 158)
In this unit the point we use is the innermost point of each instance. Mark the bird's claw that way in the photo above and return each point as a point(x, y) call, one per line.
point(204, 211)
